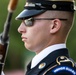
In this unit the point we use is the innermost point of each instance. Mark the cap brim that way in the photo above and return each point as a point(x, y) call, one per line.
point(28, 13)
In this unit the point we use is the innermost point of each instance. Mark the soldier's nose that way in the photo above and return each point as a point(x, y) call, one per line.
point(21, 28)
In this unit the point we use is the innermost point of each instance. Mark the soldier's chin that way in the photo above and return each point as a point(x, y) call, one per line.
point(29, 47)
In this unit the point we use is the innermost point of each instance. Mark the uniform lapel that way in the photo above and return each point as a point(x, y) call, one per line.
point(48, 61)
point(28, 67)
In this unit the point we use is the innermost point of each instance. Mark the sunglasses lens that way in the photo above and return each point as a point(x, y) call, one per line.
point(29, 22)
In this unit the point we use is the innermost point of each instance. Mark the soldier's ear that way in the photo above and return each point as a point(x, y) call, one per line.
point(55, 26)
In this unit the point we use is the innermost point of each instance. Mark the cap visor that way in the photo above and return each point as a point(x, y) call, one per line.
point(28, 13)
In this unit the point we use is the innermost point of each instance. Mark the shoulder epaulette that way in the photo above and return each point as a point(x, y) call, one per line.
point(63, 63)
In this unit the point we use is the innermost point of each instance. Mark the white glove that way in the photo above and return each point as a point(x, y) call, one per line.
point(2, 73)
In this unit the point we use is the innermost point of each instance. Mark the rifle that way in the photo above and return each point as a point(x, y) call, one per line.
point(4, 36)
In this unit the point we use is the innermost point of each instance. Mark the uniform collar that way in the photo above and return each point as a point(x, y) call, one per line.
point(48, 60)
point(45, 52)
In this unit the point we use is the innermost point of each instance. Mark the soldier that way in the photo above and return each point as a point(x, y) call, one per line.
point(45, 27)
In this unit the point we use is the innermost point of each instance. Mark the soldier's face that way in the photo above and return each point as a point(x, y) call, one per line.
point(36, 37)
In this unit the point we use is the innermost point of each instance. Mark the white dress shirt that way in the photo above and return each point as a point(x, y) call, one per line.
point(45, 52)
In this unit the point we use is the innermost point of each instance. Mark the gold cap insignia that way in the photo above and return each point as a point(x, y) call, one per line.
point(54, 6)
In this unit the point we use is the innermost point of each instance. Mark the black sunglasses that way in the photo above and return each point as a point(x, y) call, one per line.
point(30, 21)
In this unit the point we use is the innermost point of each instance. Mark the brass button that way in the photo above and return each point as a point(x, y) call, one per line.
point(62, 57)
point(42, 65)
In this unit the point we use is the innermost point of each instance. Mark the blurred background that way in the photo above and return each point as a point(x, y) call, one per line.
point(17, 56)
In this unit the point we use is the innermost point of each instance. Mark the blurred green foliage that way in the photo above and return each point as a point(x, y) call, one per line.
point(17, 55)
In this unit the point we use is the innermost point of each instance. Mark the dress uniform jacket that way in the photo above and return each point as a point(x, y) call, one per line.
point(56, 63)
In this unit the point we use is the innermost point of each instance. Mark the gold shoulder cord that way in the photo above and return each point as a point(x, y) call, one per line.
point(49, 69)
point(59, 60)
